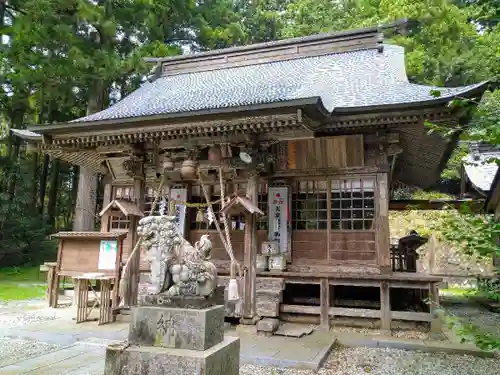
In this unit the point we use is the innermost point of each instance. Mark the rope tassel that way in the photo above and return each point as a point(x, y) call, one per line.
point(232, 291)
point(199, 216)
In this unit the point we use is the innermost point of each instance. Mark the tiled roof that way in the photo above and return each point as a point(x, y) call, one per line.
point(26, 134)
point(480, 172)
point(362, 78)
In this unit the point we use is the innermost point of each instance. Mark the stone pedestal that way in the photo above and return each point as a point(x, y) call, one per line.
point(183, 336)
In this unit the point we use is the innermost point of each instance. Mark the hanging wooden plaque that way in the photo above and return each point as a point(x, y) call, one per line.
point(279, 218)
point(179, 194)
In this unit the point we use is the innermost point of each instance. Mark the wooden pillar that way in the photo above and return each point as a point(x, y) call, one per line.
point(139, 193)
point(250, 256)
point(52, 284)
point(325, 305)
point(108, 188)
point(385, 307)
point(382, 235)
point(436, 322)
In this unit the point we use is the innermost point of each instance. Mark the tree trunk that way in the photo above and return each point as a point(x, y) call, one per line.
point(75, 170)
point(36, 169)
point(85, 201)
point(11, 188)
point(54, 185)
point(43, 183)
point(85, 214)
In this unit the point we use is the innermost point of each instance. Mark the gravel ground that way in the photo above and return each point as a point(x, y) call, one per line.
point(473, 313)
point(342, 361)
point(360, 361)
point(12, 350)
point(18, 313)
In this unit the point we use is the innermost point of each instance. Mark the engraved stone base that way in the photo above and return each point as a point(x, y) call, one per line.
point(221, 359)
point(170, 327)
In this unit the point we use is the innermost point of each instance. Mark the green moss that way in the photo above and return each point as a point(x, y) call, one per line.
point(158, 340)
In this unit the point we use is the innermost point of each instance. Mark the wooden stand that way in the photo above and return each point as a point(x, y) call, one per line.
point(83, 312)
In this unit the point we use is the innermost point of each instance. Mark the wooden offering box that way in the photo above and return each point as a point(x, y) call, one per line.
point(86, 252)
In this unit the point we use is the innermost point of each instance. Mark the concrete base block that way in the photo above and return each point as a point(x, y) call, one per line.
point(171, 327)
point(268, 325)
point(221, 359)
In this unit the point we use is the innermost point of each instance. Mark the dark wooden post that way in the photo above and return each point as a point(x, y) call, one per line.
point(382, 235)
point(385, 307)
point(250, 256)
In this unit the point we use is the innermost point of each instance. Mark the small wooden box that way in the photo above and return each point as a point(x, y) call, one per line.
point(270, 248)
point(277, 263)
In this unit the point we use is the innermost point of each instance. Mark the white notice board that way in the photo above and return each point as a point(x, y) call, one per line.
point(107, 255)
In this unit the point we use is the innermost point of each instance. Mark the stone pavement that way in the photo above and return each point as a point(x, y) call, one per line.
point(84, 348)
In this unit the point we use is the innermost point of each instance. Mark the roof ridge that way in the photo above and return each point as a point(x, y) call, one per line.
point(286, 49)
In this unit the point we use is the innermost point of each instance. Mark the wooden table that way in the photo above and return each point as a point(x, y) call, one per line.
point(83, 311)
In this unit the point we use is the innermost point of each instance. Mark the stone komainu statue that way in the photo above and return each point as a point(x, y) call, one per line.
point(177, 268)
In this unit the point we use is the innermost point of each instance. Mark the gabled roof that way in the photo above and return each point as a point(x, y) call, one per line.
point(126, 208)
point(240, 205)
point(355, 80)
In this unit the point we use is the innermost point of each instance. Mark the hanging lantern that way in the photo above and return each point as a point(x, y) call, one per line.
point(188, 169)
point(214, 155)
point(168, 164)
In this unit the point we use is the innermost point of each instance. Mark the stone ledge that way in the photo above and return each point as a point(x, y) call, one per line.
point(278, 360)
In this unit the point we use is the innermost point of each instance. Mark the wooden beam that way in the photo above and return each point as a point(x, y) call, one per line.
point(355, 312)
point(300, 309)
point(385, 307)
point(438, 204)
point(106, 199)
point(325, 305)
point(436, 323)
point(411, 316)
point(382, 236)
point(139, 194)
point(250, 255)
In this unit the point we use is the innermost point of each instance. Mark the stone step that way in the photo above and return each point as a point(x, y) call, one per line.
point(268, 325)
point(267, 295)
point(269, 292)
point(267, 308)
point(269, 283)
